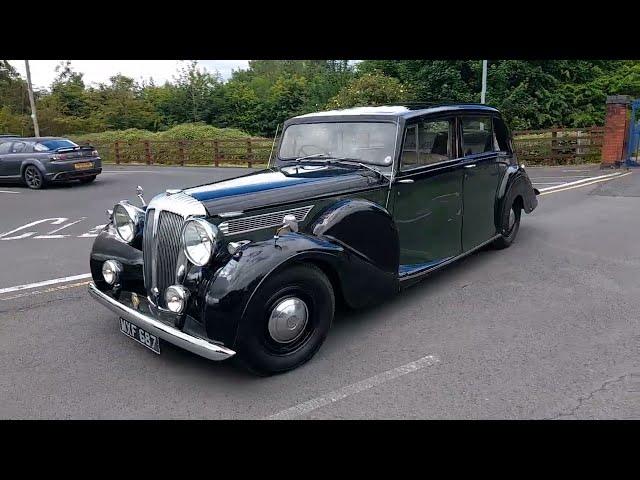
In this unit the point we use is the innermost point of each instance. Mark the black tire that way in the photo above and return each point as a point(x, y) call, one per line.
point(510, 224)
point(88, 179)
point(33, 178)
point(257, 350)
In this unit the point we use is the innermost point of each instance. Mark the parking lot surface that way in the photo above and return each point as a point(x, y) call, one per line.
point(545, 329)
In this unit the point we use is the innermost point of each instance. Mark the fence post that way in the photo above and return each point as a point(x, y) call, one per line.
point(147, 152)
point(181, 147)
point(249, 154)
point(117, 151)
point(216, 153)
point(554, 145)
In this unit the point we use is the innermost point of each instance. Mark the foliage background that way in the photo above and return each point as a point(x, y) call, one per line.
point(198, 104)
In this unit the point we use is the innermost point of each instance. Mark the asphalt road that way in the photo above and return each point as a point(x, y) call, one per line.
point(545, 329)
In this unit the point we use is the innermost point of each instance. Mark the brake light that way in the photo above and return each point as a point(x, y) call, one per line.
point(59, 156)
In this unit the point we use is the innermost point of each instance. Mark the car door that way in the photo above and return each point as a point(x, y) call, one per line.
point(12, 161)
point(427, 195)
point(5, 149)
point(481, 178)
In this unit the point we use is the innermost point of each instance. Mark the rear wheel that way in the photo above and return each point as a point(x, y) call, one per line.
point(88, 179)
point(510, 225)
point(287, 320)
point(33, 177)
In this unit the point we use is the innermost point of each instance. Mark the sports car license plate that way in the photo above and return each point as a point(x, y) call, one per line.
point(83, 165)
point(140, 335)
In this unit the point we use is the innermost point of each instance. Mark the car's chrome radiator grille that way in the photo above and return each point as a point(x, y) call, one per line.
point(161, 253)
point(258, 222)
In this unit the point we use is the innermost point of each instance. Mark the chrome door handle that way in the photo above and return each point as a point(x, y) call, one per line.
point(473, 165)
point(405, 180)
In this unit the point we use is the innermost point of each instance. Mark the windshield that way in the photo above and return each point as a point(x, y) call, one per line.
point(46, 145)
point(368, 142)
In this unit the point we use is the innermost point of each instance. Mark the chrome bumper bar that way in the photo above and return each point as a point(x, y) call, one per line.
point(171, 334)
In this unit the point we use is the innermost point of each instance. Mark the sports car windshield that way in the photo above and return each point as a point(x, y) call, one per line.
point(367, 142)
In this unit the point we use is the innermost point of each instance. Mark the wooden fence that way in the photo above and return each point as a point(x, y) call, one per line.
point(533, 147)
point(563, 146)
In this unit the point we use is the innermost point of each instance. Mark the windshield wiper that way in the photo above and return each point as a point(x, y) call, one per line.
point(328, 159)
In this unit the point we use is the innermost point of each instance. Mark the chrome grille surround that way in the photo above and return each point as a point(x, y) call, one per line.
point(265, 220)
point(161, 241)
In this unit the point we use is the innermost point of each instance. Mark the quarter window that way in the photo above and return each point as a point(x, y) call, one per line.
point(426, 143)
point(18, 147)
point(503, 143)
point(5, 147)
point(477, 135)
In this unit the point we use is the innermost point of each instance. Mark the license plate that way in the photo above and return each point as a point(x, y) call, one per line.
point(83, 165)
point(140, 335)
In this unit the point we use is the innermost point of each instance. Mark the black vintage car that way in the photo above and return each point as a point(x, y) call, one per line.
point(38, 161)
point(358, 204)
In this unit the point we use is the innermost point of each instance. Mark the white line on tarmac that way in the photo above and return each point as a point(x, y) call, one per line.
point(572, 185)
point(7, 191)
point(344, 392)
point(44, 283)
point(585, 181)
point(48, 290)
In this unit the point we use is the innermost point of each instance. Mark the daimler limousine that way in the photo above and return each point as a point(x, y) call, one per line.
point(356, 205)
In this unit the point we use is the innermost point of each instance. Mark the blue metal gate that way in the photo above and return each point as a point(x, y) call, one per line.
point(633, 146)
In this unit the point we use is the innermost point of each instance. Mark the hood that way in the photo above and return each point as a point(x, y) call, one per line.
point(275, 187)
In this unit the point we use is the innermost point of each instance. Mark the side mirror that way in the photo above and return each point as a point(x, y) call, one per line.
point(140, 192)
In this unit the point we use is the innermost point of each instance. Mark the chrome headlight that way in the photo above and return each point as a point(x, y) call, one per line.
point(199, 240)
point(127, 220)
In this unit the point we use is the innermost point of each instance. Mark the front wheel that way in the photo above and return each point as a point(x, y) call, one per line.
point(510, 224)
point(287, 320)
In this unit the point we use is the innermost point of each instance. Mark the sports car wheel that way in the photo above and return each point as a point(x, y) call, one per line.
point(33, 178)
point(287, 320)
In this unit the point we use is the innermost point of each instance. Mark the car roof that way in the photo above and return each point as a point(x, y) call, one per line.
point(31, 139)
point(408, 110)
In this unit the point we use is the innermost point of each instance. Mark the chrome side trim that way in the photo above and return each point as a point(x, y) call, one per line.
point(265, 220)
point(171, 334)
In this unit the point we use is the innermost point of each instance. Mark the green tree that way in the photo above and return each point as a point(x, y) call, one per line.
point(371, 89)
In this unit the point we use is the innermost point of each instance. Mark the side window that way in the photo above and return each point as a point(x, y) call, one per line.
point(409, 158)
point(477, 135)
point(426, 143)
point(18, 147)
point(502, 137)
point(5, 148)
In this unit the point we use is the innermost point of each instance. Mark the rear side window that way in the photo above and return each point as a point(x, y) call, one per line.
point(477, 135)
point(47, 145)
point(5, 147)
point(18, 147)
point(502, 137)
point(426, 143)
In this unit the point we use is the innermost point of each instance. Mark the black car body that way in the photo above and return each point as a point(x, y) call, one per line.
point(255, 264)
point(43, 160)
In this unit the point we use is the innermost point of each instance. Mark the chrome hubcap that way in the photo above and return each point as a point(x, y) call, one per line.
point(288, 319)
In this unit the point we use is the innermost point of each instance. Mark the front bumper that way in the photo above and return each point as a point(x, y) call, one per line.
point(168, 333)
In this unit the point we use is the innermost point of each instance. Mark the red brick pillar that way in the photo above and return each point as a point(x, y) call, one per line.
point(616, 128)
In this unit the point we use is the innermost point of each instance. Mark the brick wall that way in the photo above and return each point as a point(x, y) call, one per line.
point(616, 129)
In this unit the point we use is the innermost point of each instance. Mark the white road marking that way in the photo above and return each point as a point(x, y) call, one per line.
point(7, 191)
point(585, 181)
point(549, 190)
point(306, 407)
point(55, 221)
point(48, 290)
point(44, 283)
